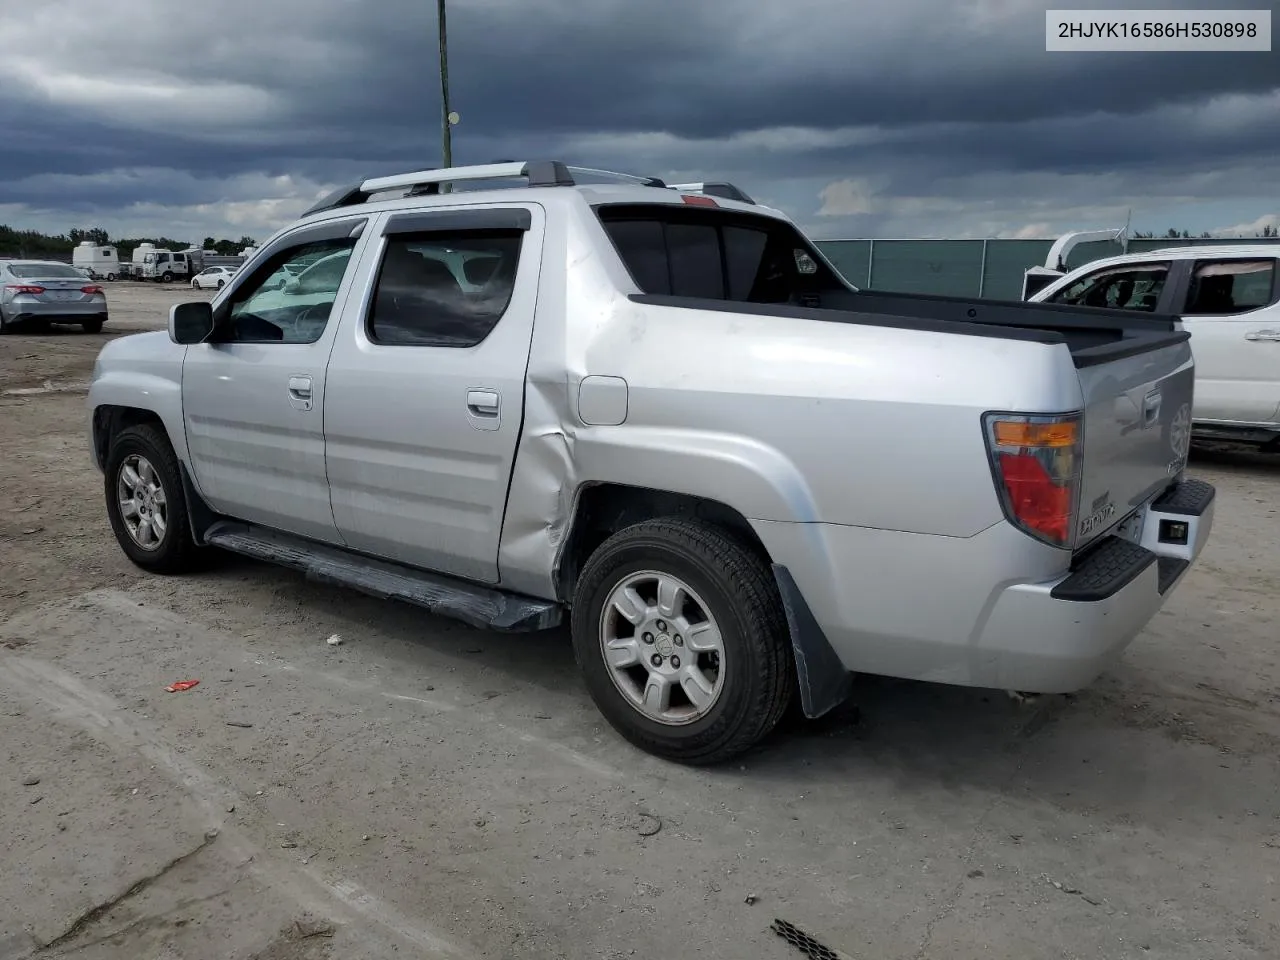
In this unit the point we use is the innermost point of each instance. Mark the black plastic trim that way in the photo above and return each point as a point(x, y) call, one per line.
point(1170, 569)
point(548, 173)
point(1128, 347)
point(478, 605)
point(824, 681)
point(848, 316)
point(1013, 313)
point(341, 228)
point(1104, 571)
point(441, 221)
point(1190, 498)
point(200, 515)
point(342, 197)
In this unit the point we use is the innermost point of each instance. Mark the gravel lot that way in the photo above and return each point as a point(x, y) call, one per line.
point(425, 790)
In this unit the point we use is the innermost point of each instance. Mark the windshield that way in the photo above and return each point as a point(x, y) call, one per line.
point(44, 271)
point(149, 258)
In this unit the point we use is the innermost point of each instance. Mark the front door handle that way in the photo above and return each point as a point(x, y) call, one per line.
point(1263, 335)
point(300, 388)
point(483, 403)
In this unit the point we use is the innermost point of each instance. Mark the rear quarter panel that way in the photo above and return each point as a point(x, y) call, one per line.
point(843, 423)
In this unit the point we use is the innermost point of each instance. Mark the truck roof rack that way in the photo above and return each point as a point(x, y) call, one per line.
point(725, 191)
point(538, 173)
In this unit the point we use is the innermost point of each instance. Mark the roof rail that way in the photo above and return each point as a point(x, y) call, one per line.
point(725, 191)
point(539, 173)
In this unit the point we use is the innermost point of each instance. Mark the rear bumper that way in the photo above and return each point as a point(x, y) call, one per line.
point(1059, 636)
point(994, 610)
point(61, 311)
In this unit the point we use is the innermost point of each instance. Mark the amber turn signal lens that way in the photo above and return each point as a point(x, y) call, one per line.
point(1016, 433)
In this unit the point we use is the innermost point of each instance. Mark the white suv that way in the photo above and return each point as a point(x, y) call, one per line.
point(1228, 297)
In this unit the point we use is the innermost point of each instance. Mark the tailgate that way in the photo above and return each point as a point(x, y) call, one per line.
point(1137, 429)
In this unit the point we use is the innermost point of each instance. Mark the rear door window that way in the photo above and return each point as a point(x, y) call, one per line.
point(1225, 287)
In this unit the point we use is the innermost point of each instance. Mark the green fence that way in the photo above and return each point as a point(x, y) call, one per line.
point(968, 268)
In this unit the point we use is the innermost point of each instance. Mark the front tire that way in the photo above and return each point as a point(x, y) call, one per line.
point(166, 277)
point(145, 501)
point(680, 634)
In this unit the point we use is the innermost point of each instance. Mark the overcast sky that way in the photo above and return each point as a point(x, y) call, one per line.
point(860, 118)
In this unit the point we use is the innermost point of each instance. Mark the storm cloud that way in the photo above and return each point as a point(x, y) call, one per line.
point(902, 118)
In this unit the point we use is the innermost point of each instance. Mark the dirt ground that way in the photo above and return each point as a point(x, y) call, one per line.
point(425, 790)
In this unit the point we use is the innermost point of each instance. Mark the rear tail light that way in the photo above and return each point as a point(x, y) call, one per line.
point(23, 288)
point(1036, 461)
point(91, 288)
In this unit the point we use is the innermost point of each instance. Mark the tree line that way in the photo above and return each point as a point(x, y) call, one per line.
point(1267, 233)
point(34, 245)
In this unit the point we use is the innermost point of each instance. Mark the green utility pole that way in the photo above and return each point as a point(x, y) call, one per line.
point(445, 131)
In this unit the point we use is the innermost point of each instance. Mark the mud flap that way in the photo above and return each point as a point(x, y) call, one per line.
point(199, 514)
point(824, 682)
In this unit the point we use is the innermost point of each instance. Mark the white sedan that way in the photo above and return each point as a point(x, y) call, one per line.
point(212, 278)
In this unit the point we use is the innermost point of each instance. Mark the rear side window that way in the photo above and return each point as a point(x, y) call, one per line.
point(1230, 286)
point(444, 290)
point(715, 254)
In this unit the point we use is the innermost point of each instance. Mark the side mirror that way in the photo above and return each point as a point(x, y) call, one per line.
point(190, 322)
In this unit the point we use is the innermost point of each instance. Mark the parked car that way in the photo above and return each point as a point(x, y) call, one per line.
point(38, 293)
point(1228, 298)
point(212, 278)
point(664, 417)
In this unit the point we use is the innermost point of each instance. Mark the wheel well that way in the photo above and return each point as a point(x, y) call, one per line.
point(603, 509)
point(109, 420)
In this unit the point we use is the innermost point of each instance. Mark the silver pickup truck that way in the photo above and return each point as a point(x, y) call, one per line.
point(661, 415)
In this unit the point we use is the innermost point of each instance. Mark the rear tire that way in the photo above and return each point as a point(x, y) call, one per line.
point(92, 326)
point(111, 278)
point(725, 585)
point(139, 463)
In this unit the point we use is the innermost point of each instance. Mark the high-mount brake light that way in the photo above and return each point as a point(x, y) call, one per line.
point(1036, 461)
point(24, 288)
point(698, 201)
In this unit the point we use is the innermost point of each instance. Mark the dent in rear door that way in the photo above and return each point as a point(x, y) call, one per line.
point(422, 418)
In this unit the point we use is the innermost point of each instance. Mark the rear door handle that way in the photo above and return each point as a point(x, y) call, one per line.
point(483, 403)
point(1263, 335)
